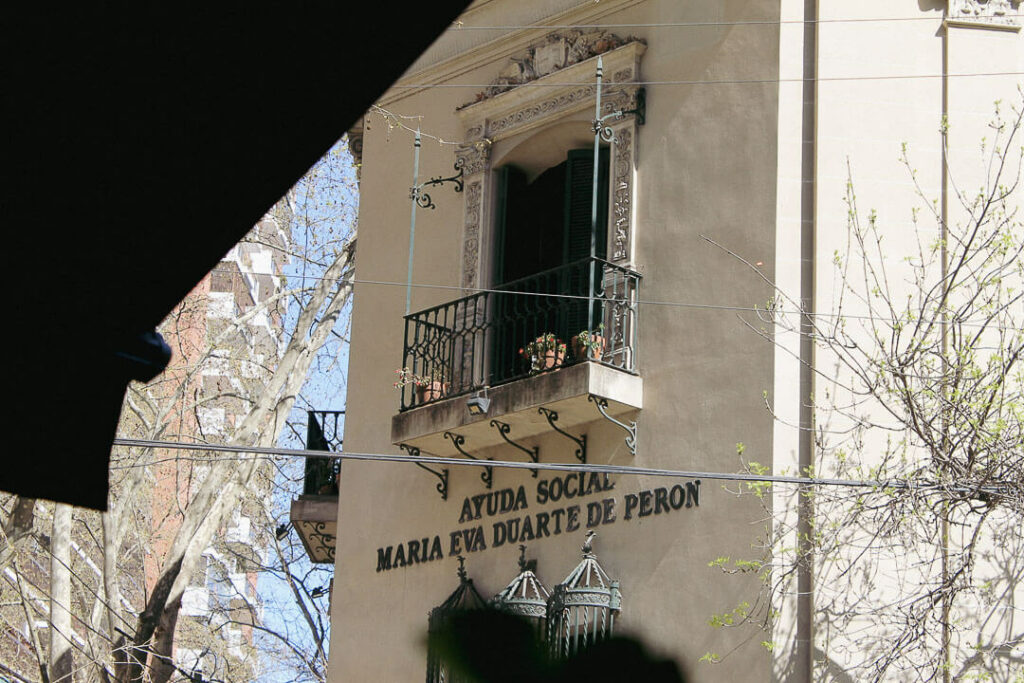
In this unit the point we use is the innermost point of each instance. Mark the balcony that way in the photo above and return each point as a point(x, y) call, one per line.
point(314, 514)
point(517, 342)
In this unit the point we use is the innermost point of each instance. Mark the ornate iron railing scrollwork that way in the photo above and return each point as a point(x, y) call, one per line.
point(442, 487)
point(487, 476)
point(602, 407)
point(475, 341)
point(319, 540)
point(581, 442)
point(533, 453)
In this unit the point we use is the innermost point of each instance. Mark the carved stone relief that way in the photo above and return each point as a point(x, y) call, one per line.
point(556, 51)
point(622, 194)
point(507, 115)
point(984, 11)
point(471, 235)
point(355, 146)
point(474, 156)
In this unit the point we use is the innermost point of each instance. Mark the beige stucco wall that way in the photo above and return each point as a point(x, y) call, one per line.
point(723, 156)
point(705, 166)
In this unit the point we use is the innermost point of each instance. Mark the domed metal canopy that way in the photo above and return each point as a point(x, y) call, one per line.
point(582, 609)
point(526, 595)
point(463, 599)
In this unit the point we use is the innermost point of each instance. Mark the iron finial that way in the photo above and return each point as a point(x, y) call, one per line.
point(588, 544)
point(522, 558)
point(462, 567)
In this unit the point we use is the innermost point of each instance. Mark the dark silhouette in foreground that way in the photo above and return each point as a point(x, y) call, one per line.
point(491, 646)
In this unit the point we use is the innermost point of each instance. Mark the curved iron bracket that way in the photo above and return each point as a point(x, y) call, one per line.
point(503, 429)
point(552, 417)
point(442, 487)
point(423, 199)
point(487, 476)
point(602, 406)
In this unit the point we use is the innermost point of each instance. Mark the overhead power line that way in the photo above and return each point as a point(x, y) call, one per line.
point(559, 467)
point(737, 81)
point(469, 291)
point(462, 26)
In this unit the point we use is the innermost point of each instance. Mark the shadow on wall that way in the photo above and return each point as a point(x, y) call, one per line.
point(489, 646)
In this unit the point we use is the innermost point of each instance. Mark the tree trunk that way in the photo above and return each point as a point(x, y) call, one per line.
point(60, 658)
point(161, 664)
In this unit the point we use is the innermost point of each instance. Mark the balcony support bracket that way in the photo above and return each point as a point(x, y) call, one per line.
point(602, 407)
point(533, 453)
point(487, 476)
point(581, 442)
point(442, 487)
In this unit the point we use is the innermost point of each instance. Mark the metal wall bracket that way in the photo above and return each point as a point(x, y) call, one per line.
point(503, 429)
point(442, 487)
point(487, 476)
point(423, 199)
point(552, 417)
point(602, 406)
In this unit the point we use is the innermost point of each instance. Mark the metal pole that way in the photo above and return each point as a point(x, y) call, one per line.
point(593, 198)
point(412, 219)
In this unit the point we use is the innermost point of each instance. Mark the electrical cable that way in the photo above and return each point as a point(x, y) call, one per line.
point(742, 81)
point(640, 302)
point(462, 26)
point(558, 467)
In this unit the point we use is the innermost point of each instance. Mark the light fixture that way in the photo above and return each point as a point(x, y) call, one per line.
point(318, 592)
point(479, 404)
point(281, 532)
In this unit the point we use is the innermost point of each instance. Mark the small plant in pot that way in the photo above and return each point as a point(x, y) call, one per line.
point(545, 352)
point(430, 386)
point(589, 344)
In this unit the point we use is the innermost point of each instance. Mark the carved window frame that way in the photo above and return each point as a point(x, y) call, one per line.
point(991, 14)
point(535, 105)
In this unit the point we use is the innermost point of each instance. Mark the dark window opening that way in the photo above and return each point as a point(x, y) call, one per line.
point(543, 246)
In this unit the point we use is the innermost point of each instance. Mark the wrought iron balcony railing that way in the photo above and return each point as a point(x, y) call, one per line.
point(495, 337)
point(323, 433)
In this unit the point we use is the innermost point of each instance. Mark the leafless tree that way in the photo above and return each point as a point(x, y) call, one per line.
point(920, 388)
point(109, 587)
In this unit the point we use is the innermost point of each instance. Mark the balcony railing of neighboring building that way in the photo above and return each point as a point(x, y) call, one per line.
point(324, 430)
point(484, 340)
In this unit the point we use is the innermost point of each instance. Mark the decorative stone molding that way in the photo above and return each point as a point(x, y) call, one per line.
point(993, 12)
point(556, 51)
point(355, 145)
point(622, 195)
point(549, 97)
point(471, 235)
point(474, 157)
point(561, 73)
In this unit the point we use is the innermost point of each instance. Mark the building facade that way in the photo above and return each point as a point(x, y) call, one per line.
point(729, 132)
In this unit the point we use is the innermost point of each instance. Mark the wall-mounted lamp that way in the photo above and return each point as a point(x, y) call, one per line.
point(281, 532)
point(478, 405)
point(319, 592)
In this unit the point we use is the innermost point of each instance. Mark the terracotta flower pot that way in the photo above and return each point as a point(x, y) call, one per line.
point(579, 351)
point(552, 358)
point(431, 391)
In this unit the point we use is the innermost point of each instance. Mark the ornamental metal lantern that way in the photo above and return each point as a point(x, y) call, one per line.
point(583, 608)
point(463, 599)
point(526, 596)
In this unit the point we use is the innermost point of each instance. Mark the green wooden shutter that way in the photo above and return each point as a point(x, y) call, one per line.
point(501, 222)
point(579, 178)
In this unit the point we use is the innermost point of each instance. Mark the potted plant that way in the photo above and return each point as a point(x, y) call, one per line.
point(430, 386)
point(589, 344)
point(545, 352)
